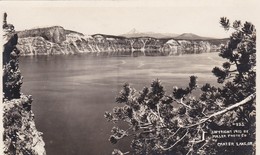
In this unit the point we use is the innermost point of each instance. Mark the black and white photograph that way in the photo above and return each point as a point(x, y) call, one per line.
point(129, 77)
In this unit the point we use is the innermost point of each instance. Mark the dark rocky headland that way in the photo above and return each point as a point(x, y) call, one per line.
point(20, 134)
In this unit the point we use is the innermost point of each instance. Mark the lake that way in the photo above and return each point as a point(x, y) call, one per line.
point(72, 92)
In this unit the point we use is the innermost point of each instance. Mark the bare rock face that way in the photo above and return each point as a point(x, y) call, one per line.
point(55, 34)
point(55, 40)
point(20, 134)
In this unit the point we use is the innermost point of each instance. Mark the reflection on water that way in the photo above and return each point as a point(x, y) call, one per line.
point(71, 93)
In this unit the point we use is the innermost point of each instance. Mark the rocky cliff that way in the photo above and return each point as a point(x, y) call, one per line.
point(57, 40)
point(20, 134)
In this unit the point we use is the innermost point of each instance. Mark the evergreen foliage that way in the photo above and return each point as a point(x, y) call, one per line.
point(181, 122)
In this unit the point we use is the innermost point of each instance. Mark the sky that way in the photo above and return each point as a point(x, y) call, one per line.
point(115, 18)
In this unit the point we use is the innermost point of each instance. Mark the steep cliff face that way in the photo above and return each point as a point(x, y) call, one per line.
point(55, 34)
point(20, 134)
point(56, 40)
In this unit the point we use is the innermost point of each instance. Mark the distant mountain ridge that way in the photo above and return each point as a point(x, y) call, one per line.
point(191, 36)
point(136, 34)
point(185, 36)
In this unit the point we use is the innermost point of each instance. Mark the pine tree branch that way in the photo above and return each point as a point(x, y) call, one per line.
point(160, 118)
point(174, 133)
point(202, 138)
point(170, 147)
point(202, 146)
point(120, 137)
point(181, 102)
point(146, 126)
point(191, 149)
point(207, 118)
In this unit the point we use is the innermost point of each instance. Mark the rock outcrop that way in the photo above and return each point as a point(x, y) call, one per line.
point(57, 40)
point(20, 134)
point(55, 34)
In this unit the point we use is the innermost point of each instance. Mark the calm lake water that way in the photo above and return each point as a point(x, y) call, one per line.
point(71, 93)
